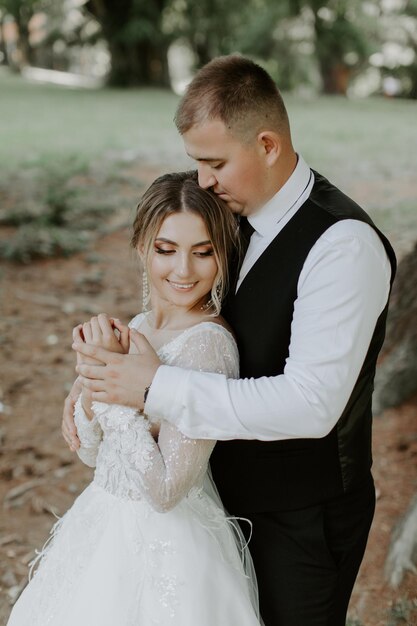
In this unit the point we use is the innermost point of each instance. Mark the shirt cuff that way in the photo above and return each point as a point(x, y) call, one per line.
point(165, 397)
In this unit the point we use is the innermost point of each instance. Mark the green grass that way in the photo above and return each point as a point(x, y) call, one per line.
point(39, 123)
point(372, 139)
point(367, 147)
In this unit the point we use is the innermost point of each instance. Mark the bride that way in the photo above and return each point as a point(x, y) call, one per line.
point(148, 542)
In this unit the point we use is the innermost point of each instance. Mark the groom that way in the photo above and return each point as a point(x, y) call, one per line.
point(308, 308)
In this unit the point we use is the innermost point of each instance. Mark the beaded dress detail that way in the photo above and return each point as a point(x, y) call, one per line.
point(147, 543)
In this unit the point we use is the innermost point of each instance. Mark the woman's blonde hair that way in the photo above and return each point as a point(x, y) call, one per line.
point(180, 192)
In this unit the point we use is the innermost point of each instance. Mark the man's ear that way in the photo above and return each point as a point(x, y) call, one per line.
point(270, 144)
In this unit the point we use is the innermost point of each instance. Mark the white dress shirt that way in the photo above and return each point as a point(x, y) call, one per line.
point(342, 289)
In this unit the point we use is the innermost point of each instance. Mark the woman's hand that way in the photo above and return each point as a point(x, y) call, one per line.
point(104, 332)
point(69, 430)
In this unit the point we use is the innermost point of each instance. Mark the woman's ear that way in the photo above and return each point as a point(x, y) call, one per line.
point(270, 144)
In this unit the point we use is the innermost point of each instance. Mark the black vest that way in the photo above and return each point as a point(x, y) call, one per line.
point(290, 474)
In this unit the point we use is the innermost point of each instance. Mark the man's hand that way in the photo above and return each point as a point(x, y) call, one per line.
point(69, 431)
point(124, 377)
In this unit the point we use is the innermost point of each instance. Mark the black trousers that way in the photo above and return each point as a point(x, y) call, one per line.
point(306, 561)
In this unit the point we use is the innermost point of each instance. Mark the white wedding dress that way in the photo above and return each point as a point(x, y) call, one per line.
point(147, 543)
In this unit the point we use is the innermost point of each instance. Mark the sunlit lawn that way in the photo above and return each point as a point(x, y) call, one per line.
point(367, 147)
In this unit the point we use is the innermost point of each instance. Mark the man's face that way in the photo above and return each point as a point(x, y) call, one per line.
point(235, 171)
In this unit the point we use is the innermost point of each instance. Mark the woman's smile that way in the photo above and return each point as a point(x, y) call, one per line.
point(182, 286)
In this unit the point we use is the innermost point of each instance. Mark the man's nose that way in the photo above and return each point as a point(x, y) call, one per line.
point(206, 178)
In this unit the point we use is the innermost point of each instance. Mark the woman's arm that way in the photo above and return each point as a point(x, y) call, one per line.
point(177, 463)
point(99, 331)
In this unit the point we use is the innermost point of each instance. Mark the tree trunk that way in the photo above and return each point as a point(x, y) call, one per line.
point(136, 59)
point(396, 376)
point(138, 65)
point(402, 551)
point(335, 77)
point(3, 50)
point(22, 21)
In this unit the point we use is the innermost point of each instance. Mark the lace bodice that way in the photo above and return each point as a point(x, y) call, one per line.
point(129, 463)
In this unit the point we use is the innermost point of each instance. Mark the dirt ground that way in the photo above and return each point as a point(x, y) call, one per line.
point(40, 477)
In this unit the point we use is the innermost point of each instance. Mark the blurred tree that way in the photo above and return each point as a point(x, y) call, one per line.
point(298, 37)
point(341, 41)
point(210, 27)
point(283, 37)
point(398, 36)
point(137, 42)
point(37, 24)
point(22, 12)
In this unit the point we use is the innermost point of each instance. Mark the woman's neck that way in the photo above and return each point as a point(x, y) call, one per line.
point(175, 318)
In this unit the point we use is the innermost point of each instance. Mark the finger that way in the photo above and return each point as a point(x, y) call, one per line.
point(105, 325)
point(140, 341)
point(96, 352)
point(118, 324)
point(96, 330)
point(77, 333)
point(68, 428)
point(92, 372)
point(75, 391)
point(87, 332)
point(71, 440)
point(124, 334)
point(102, 396)
point(124, 339)
point(93, 384)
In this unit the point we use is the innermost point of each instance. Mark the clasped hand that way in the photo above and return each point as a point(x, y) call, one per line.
point(114, 369)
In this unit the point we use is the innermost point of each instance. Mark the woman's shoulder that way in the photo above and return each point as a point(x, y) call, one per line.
point(206, 346)
point(220, 321)
point(211, 326)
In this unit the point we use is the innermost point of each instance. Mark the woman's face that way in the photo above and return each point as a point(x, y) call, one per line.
point(182, 264)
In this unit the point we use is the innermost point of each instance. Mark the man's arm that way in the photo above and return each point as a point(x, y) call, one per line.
point(342, 290)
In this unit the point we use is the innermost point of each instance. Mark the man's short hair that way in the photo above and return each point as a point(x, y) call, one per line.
point(236, 91)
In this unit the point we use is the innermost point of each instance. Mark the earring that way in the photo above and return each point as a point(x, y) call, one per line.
point(145, 291)
point(207, 305)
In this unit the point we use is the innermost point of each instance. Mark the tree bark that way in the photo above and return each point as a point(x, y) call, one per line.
point(396, 376)
point(402, 551)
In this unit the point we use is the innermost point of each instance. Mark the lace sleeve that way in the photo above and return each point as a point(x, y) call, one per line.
point(89, 434)
point(177, 463)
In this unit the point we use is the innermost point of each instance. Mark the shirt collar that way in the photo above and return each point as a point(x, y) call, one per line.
point(275, 209)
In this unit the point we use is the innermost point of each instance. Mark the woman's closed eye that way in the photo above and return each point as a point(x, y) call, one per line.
point(197, 253)
point(159, 250)
point(204, 253)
